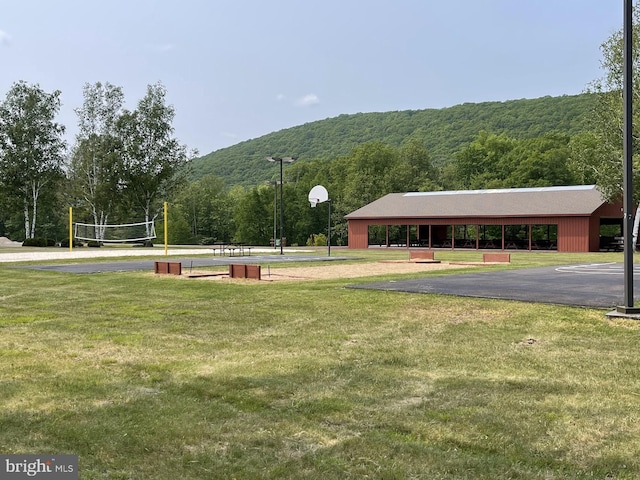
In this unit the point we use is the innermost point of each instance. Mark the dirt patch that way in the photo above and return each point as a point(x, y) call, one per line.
point(327, 272)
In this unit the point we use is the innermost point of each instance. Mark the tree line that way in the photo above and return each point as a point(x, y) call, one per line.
point(207, 211)
point(124, 164)
point(120, 166)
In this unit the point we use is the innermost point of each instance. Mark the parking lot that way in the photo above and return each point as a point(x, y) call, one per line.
point(598, 285)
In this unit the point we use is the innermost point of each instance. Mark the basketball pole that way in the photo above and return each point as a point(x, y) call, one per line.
point(166, 231)
point(71, 229)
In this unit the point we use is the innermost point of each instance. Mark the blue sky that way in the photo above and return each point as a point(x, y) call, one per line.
point(239, 69)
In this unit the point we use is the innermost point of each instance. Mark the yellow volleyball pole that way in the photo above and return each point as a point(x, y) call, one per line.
point(70, 229)
point(166, 231)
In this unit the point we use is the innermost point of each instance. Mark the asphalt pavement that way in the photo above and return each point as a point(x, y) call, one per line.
point(592, 285)
point(187, 263)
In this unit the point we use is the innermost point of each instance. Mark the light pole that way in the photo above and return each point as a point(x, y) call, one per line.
point(281, 160)
point(275, 211)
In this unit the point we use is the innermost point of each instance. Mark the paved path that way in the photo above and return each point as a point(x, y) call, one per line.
point(593, 285)
point(187, 263)
point(82, 253)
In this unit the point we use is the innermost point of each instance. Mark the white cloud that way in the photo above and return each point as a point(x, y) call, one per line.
point(280, 97)
point(5, 38)
point(307, 100)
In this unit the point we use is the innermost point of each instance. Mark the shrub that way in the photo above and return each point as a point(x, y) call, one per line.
point(317, 240)
point(65, 243)
point(35, 242)
point(94, 244)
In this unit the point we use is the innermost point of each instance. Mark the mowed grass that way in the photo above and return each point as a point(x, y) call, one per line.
point(155, 377)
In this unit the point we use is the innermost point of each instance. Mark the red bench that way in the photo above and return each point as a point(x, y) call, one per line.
point(496, 257)
point(421, 255)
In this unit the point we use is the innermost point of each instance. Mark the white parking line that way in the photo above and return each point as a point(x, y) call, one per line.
point(597, 269)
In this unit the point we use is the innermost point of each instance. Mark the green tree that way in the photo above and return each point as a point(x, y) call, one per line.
point(152, 159)
point(31, 148)
point(206, 205)
point(252, 213)
point(422, 174)
point(539, 162)
point(598, 154)
point(95, 160)
point(480, 164)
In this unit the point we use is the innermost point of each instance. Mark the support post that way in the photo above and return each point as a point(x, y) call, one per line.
point(166, 231)
point(627, 199)
point(71, 229)
point(329, 232)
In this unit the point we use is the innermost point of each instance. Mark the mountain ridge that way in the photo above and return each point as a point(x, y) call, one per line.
point(444, 131)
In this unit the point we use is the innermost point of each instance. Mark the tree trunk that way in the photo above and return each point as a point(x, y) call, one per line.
point(99, 220)
point(636, 224)
point(35, 192)
point(147, 209)
point(27, 227)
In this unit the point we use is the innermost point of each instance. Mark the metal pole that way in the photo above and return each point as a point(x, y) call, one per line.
point(628, 155)
point(70, 229)
point(329, 232)
point(275, 213)
point(280, 160)
point(281, 212)
point(166, 230)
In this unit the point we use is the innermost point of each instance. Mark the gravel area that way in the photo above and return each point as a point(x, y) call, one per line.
point(341, 270)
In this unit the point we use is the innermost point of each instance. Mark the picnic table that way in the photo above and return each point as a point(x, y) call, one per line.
point(231, 249)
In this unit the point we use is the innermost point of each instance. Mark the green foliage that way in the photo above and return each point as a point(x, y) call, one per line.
point(39, 242)
point(442, 133)
point(64, 243)
point(31, 150)
point(205, 205)
point(253, 216)
point(499, 161)
point(597, 155)
point(317, 240)
point(152, 160)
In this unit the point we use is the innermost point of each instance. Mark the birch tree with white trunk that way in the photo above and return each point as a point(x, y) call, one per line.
point(31, 147)
point(153, 160)
point(95, 168)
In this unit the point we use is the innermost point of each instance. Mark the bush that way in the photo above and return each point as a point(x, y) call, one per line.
point(65, 243)
point(317, 240)
point(38, 242)
point(94, 244)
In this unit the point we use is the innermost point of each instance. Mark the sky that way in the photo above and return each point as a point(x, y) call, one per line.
point(239, 69)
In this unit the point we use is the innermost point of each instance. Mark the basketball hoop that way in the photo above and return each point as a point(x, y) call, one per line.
point(319, 194)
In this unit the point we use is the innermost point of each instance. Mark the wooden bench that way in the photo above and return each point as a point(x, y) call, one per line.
point(421, 254)
point(496, 257)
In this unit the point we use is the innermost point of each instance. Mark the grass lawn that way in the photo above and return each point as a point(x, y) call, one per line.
point(156, 377)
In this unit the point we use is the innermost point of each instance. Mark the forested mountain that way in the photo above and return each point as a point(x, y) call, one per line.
point(443, 131)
